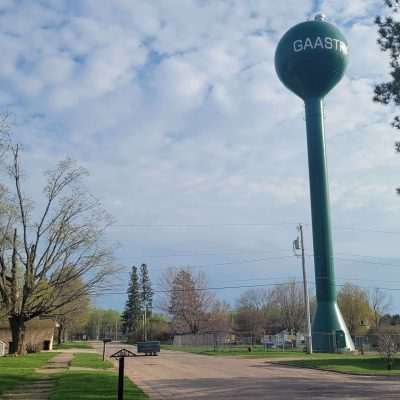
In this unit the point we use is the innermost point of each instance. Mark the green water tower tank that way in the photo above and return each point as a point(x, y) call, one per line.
point(311, 58)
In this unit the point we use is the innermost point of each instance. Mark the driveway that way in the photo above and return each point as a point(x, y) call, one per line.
point(178, 375)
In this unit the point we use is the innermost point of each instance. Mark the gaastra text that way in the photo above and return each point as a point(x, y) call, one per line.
point(319, 43)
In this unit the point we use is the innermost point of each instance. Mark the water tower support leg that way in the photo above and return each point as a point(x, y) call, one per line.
point(327, 319)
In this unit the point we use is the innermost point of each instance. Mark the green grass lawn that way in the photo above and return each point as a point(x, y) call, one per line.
point(372, 365)
point(255, 354)
point(17, 370)
point(29, 361)
point(93, 386)
point(90, 360)
point(71, 385)
point(72, 345)
point(241, 351)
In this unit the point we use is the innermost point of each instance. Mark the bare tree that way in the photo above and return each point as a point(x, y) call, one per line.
point(379, 302)
point(252, 309)
point(289, 298)
point(219, 317)
point(4, 143)
point(249, 322)
point(40, 257)
point(388, 347)
point(257, 299)
point(187, 299)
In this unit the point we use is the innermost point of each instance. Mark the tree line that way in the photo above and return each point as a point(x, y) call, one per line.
point(186, 305)
point(192, 308)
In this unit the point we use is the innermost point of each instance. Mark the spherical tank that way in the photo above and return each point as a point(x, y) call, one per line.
point(311, 58)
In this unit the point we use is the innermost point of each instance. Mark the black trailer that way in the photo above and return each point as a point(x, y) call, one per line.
point(149, 348)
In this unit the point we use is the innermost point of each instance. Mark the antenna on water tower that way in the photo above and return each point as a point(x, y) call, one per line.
point(320, 17)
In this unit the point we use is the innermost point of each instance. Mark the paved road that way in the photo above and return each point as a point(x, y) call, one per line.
point(176, 375)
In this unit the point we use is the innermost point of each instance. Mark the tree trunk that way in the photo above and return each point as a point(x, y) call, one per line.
point(59, 333)
point(17, 326)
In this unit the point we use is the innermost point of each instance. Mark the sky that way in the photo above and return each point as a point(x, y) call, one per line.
point(193, 144)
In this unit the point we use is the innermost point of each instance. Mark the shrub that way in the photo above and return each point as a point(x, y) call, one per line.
point(32, 348)
point(388, 348)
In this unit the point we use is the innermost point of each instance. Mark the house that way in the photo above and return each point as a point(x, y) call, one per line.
point(39, 334)
point(285, 339)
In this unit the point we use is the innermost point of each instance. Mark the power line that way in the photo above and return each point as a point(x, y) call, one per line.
point(255, 286)
point(238, 262)
point(206, 254)
point(295, 278)
point(368, 287)
point(350, 279)
point(361, 255)
point(356, 229)
point(256, 224)
point(215, 288)
point(202, 225)
point(363, 261)
point(277, 257)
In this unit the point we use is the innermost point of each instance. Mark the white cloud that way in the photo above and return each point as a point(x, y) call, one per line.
point(345, 11)
point(178, 85)
point(55, 69)
point(366, 59)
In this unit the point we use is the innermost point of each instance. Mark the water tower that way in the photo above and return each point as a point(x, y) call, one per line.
point(310, 60)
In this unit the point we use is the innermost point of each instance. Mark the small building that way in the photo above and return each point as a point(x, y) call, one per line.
point(39, 334)
point(285, 339)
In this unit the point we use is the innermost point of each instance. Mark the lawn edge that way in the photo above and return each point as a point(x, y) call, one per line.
point(249, 355)
point(333, 371)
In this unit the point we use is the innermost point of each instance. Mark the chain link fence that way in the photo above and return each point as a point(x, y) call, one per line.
point(233, 341)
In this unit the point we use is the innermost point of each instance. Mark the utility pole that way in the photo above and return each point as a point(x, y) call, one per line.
point(299, 245)
point(145, 325)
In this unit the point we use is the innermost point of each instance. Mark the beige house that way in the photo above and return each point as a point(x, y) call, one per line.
point(39, 334)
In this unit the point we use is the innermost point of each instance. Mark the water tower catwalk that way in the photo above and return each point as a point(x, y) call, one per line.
point(310, 60)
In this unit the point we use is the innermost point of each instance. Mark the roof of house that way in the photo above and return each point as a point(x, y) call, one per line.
point(33, 324)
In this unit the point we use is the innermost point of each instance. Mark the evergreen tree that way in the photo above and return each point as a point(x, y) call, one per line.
point(133, 307)
point(389, 41)
point(146, 291)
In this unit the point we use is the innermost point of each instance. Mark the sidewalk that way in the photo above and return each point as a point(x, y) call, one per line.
point(59, 363)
